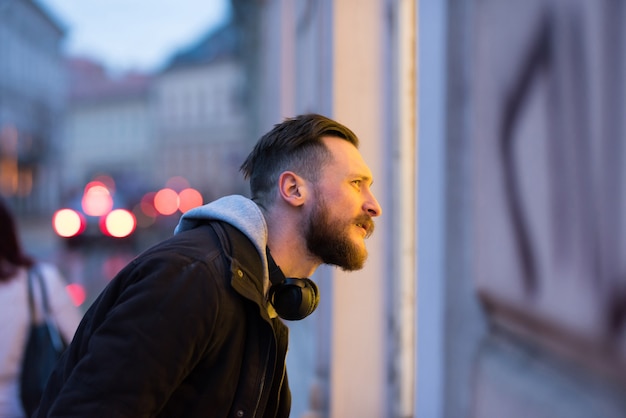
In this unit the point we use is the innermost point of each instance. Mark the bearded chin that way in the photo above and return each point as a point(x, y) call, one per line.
point(329, 241)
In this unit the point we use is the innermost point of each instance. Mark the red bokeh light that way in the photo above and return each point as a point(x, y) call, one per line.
point(68, 223)
point(166, 201)
point(107, 181)
point(119, 223)
point(177, 183)
point(147, 205)
point(97, 199)
point(77, 293)
point(189, 199)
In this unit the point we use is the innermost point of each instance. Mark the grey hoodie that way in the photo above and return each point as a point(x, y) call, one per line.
point(240, 212)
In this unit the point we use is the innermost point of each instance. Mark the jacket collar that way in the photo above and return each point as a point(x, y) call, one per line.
point(246, 266)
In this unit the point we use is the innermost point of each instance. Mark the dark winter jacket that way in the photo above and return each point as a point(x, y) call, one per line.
point(182, 331)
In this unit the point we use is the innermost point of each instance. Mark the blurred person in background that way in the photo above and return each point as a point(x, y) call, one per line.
point(193, 326)
point(15, 266)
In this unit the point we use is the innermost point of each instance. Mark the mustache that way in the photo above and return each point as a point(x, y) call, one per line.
point(367, 223)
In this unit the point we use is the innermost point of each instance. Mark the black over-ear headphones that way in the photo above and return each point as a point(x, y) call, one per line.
point(292, 298)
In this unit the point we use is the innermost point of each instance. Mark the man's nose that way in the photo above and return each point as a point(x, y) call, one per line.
point(372, 207)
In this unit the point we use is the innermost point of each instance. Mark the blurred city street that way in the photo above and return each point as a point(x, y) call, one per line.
point(91, 268)
point(495, 284)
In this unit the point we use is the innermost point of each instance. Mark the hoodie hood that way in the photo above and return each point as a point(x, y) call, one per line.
point(240, 212)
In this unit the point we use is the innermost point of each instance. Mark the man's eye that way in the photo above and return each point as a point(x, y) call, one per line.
point(357, 182)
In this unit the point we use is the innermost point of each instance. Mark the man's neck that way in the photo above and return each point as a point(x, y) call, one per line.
point(289, 248)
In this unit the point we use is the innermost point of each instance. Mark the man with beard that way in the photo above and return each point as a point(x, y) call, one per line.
point(192, 327)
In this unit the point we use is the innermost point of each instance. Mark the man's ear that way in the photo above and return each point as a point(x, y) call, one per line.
point(292, 188)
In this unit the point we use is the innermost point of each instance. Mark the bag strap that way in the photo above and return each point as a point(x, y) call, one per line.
point(31, 303)
point(35, 274)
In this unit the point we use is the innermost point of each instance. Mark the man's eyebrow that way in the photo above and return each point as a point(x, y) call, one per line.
point(364, 177)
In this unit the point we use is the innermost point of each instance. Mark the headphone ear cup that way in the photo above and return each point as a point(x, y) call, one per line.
point(294, 299)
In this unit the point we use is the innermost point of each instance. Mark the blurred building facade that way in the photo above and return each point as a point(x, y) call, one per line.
point(201, 126)
point(109, 125)
point(546, 151)
point(185, 120)
point(32, 98)
point(495, 284)
point(352, 61)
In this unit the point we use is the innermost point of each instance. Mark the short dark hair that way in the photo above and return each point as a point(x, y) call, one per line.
point(296, 145)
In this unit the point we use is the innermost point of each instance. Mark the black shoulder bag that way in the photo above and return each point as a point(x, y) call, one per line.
point(43, 348)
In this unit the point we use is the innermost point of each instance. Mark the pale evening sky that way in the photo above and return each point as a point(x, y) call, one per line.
point(134, 34)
